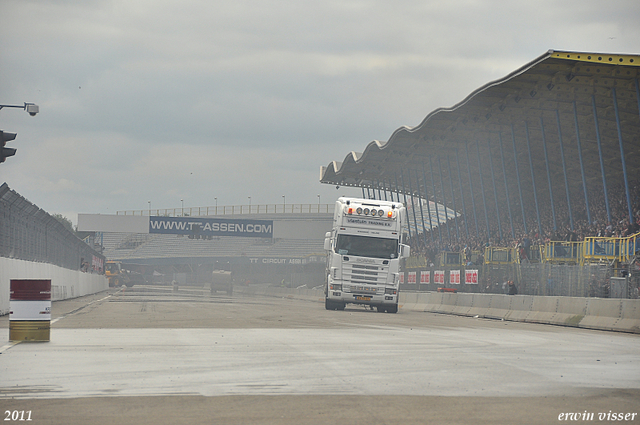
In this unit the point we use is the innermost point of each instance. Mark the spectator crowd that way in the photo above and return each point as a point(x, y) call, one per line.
point(562, 228)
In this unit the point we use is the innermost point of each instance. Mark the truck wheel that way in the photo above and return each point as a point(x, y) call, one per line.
point(381, 309)
point(328, 305)
point(340, 306)
point(393, 309)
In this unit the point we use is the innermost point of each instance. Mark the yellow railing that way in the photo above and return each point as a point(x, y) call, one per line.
point(449, 258)
point(416, 262)
point(497, 255)
point(592, 249)
point(611, 249)
point(563, 252)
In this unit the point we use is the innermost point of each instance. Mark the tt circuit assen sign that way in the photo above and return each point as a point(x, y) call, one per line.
point(211, 227)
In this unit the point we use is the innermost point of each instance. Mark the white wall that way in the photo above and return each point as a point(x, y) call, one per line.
point(113, 223)
point(65, 283)
point(302, 229)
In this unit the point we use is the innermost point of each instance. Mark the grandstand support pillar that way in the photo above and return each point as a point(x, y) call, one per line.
point(424, 228)
point(384, 189)
point(453, 199)
point(584, 179)
point(404, 193)
point(604, 179)
point(391, 192)
point(515, 161)
point(426, 196)
point(413, 204)
point(533, 178)
point(435, 200)
point(484, 199)
point(464, 209)
point(495, 190)
point(546, 161)
point(506, 187)
point(379, 194)
point(444, 200)
point(473, 199)
point(638, 94)
point(564, 169)
point(624, 162)
point(363, 195)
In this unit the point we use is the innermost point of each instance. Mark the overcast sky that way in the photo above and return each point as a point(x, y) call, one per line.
point(167, 100)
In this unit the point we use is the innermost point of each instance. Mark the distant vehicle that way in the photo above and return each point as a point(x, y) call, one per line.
point(364, 249)
point(119, 276)
point(222, 280)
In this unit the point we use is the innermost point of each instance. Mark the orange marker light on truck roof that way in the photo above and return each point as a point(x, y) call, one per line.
point(390, 214)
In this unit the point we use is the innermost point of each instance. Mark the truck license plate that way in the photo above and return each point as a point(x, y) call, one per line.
point(363, 298)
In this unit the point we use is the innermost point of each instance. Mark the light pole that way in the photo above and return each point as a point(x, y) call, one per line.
point(216, 205)
point(6, 136)
point(284, 203)
point(31, 108)
point(182, 200)
point(149, 208)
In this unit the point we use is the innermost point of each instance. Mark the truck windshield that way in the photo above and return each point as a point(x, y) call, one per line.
point(364, 246)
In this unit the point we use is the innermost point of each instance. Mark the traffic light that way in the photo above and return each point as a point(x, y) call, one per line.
point(4, 138)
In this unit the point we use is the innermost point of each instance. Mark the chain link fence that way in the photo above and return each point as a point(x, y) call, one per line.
point(29, 233)
point(543, 279)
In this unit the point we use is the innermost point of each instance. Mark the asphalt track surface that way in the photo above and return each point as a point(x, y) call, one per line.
point(149, 355)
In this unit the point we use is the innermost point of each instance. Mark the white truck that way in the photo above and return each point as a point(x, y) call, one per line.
point(364, 249)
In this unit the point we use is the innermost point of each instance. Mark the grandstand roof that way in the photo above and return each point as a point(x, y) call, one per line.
point(553, 100)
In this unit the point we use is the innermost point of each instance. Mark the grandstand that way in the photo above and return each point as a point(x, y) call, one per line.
point(139, 247)
point(537, 166)
point(294, 254)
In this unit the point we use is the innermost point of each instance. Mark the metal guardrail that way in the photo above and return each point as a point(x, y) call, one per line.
point(234, 210)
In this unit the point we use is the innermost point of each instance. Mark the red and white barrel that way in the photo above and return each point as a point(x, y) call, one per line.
point(30, 310)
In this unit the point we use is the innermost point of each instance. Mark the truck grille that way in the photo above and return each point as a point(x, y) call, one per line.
point(364, 274)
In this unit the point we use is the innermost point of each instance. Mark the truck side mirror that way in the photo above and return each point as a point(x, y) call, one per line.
point(327, 243)
point(405, 251)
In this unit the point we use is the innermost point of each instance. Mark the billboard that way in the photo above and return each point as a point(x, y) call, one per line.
point(211, 227)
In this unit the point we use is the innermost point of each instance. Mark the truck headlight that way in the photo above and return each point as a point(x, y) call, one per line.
point(336, 287)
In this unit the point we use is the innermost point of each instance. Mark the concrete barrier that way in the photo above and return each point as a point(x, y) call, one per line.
point(480, 306)
point(591, 313)
point(521, 306)
point(464, 302)
point(500, 306)
point(629, 316)
point(543, 310)
point(570, 311)
point(602, 313)
point(612, 314)
point(422, 302)
point(434, 302)
point(448, 302)
point(408, 300)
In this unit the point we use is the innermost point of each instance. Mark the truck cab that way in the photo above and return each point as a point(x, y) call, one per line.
point(364, 249)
